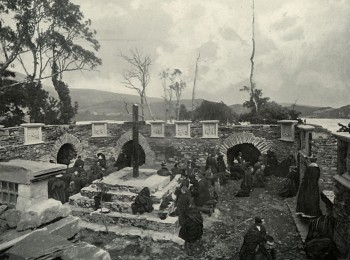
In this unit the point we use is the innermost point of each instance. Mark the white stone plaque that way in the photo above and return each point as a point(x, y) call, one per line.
point(157, 129)
point(210, 128)
point(99, 129)
point(287, 130)
point(183, 129)
point(32, 133)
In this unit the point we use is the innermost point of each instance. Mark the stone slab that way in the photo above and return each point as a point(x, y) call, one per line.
point(42, 213)
point(84, 251)
point(149, 178)
point(134, 232)
point(92, 191)
point(38, 244)
point(147, 220)
point(67, 227)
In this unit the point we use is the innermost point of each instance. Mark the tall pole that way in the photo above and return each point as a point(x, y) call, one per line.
point(135, 140)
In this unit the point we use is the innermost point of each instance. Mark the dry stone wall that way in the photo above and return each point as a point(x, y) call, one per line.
point(169, 147)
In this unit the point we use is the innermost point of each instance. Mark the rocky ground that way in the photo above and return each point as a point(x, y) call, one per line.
point(223, 231)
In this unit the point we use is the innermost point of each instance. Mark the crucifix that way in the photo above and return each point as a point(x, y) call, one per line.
point(135, 160)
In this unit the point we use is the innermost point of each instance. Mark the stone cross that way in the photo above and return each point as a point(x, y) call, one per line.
point(135, 139)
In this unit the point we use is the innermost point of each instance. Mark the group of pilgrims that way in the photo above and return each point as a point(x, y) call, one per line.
point(198, 192)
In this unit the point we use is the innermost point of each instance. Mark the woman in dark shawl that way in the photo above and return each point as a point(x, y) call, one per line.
point(221, 170)
point(247, 183)
point(191, 225)
point(271, 163)
point(283, 168)
point(308, 202)
point(58, 189)
point(143, 202)
point(290, 188)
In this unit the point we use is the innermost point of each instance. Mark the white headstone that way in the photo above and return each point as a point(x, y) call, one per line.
point(183, 129)
point(32, 133)
point(157, 128)
point(287, 130)
point(210, 128)
point(99, 129)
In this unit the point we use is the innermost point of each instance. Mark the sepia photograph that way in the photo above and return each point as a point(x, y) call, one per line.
point(174, 129)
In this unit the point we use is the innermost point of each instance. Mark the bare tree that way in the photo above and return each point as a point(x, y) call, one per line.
point(137, 77)
point(177, 86)
point(168, 94)
point(251, 89)
point(194, 87)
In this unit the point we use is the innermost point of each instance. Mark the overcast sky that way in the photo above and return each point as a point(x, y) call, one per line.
point(302, 47)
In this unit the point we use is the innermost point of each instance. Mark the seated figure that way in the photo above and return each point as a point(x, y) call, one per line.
point(164, 171)
point(143, 202)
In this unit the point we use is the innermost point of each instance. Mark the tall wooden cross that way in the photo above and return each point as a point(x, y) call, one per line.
point(135, 161)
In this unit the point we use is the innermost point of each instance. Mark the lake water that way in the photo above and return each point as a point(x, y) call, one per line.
point(328, 123)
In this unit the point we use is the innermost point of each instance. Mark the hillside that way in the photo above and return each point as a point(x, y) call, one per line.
point(306, 111)
point(342, 112)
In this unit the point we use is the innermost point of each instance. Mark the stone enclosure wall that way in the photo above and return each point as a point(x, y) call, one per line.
point(157, 149)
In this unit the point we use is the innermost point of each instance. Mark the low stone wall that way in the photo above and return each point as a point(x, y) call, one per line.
point(341, 214)
point(169, 148)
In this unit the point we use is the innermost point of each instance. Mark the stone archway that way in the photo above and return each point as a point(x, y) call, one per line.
point(66, 139)
point(150, 155)
point(261, 144)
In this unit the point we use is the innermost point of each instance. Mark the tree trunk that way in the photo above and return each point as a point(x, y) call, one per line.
point(252, 84)
point(142, 108)
point(194, 87)
point(149, 108)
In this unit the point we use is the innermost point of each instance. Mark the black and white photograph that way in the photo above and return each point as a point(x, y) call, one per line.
point(175, 129)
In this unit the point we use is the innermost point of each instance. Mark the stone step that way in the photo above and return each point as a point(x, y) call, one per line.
point(156, 236)
point(123, 181)
point(150, 221)
point(91, 191)
point(128, 196)
point(81, 201)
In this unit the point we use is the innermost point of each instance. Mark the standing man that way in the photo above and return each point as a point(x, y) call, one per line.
point(308, 203)
point(254, 240)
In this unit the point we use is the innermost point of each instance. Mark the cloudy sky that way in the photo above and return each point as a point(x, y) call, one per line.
point(302, 47)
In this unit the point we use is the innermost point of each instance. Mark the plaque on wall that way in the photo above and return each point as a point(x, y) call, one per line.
point(32, 133)
point(99, 129)
point(210, 128)
point(183, 129)
point(287, 130)
point(157, 128)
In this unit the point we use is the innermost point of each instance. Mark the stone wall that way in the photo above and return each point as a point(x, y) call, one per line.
point(169, 148)
point(341, 213)
point(324, 147)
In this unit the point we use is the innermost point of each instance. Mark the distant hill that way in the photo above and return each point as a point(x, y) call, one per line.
point(306, 110)
point(342, 112)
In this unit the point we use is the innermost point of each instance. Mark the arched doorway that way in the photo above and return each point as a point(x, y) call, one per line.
point(66, 153)
point(249, 153)
point(125, 157)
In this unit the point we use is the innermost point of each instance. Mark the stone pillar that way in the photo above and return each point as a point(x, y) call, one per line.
point(157, 128)
point(183, 129)
point(342, 196)
point(210, 128)
point(287, 130)
point(99, 129)
point(32, 133)
point(305, 138)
